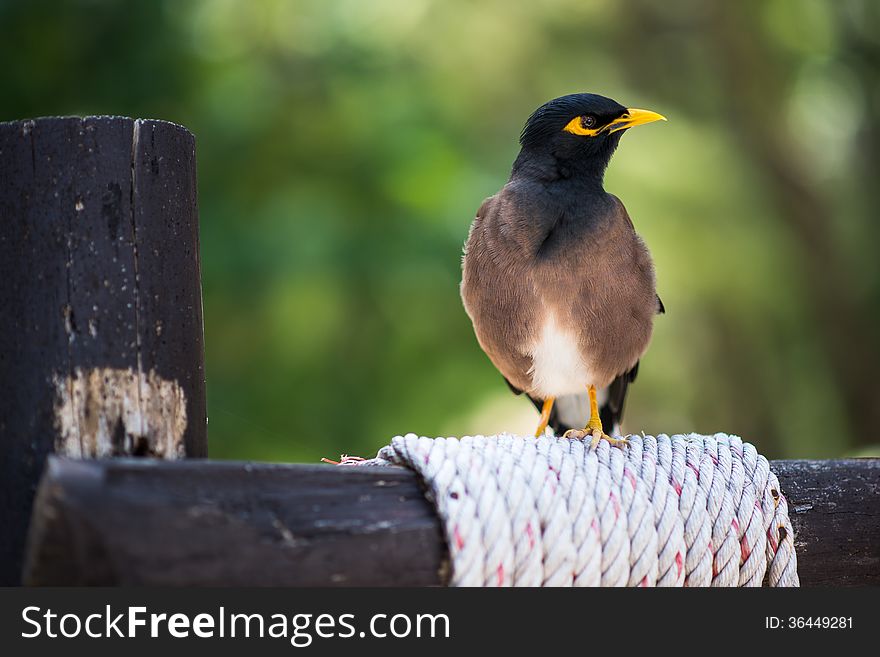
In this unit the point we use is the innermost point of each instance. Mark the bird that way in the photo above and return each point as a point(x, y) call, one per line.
point(559, 287)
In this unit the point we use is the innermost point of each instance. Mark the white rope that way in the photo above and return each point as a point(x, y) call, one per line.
point(667, 511)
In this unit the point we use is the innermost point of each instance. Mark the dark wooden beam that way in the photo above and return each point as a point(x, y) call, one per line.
point(127, 521)
point(834, 508)
point(222, 523)
point(100, 300)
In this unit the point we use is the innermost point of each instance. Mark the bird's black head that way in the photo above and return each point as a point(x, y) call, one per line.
point(576, 135)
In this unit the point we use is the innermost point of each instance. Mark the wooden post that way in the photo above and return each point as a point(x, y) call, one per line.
point(221, 523)
point(101, 347)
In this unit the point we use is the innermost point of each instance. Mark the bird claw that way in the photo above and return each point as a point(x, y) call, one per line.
point(596, 435)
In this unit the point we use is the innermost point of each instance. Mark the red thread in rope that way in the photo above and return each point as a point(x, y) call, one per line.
point(615, 503)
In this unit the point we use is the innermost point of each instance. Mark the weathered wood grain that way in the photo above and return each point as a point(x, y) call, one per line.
point(99, 288)
point(126, 521)
point(223, 523)
point(835, 511)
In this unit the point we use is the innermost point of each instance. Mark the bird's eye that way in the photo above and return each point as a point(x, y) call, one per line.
point(586, 125)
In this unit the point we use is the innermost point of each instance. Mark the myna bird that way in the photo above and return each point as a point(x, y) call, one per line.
point(557, 283)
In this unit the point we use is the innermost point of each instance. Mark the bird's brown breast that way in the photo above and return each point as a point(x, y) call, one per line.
point(548, 318)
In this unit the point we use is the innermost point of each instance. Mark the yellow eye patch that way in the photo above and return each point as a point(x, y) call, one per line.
point(577, 126)
point(629, 119)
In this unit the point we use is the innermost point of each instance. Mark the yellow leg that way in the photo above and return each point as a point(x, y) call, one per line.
point(594, 425)
point(595, 422)
point(545, 416)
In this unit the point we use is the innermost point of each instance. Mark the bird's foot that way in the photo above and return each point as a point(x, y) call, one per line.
point(596, 434)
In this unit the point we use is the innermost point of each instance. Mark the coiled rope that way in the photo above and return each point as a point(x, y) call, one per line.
point(664, 511)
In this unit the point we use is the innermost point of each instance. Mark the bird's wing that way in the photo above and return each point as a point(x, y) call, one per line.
point(517, 391)
point(611, 412)
point(496, 291)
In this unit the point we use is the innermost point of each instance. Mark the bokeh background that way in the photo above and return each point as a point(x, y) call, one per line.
point(344, 146)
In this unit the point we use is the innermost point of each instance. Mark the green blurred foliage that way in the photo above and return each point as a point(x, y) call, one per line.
point(344, 146)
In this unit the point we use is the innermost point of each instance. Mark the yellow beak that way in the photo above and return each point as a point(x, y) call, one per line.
point(633, 117)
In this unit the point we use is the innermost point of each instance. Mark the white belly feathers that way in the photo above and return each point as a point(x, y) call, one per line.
point(557, 366)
